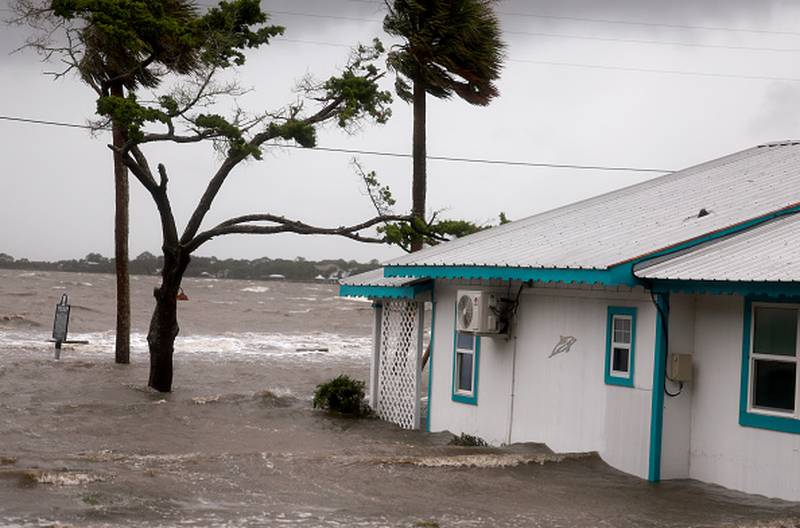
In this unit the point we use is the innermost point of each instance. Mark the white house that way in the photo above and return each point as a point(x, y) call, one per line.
point(656, 325)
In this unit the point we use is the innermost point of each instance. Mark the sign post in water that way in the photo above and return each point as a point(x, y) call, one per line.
point(61, 323)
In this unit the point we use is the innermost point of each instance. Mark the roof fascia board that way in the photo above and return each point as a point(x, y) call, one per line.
point(770, 290)
point(385, 292)
point(617, 275)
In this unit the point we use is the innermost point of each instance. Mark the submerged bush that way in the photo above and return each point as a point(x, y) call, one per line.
point(342, 394)
point(468, 440)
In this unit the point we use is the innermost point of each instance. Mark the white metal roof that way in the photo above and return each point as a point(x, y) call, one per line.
point(769, 252)
point(637, 220)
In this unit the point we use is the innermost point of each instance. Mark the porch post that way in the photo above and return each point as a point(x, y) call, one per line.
point(659, 373)
point(375, 361)
point(418, 376)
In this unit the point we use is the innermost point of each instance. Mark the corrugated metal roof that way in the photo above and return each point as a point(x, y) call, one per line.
point(376, 278)
point(638, 220)
point(769, 252)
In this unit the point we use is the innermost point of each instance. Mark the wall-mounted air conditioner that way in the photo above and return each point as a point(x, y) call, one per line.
point(478, 312)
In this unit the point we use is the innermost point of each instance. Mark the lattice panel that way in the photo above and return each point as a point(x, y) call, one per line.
point(398, 370)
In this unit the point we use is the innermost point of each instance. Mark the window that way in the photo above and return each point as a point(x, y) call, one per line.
point(465, 368)
point(773, 360)
point(620, 345)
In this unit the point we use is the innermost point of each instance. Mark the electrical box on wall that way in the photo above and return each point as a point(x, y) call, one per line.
point(679, 367)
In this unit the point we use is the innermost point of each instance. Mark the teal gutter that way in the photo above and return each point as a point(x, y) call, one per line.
point(657, 399)
point(385, 292)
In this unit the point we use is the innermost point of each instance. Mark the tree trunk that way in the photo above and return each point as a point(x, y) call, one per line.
point(419, 184)
point(164, 324)
point(123, 337)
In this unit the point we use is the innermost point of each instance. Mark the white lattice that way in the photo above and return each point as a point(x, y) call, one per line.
point(398, 368)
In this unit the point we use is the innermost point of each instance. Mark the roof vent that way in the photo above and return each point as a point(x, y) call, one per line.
point(703, 212)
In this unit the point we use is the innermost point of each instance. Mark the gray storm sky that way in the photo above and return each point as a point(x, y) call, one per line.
point(572, 91)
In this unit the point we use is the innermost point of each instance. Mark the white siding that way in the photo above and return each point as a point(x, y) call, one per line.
point(489, 418)
point(561, 401)
point(723, 452)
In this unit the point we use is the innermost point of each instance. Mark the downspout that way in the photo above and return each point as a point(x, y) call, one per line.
point(661, 302)
point(513, 390)
point(512, 332)
point(430, 360)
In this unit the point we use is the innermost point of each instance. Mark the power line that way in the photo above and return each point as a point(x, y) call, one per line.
point(51, 123)
point(627, 22)
point(655, 70)
point(652, 42)
point(609, 67)
point(621, 40)
point(381, 153)
point(487, 161)
point(651, 24)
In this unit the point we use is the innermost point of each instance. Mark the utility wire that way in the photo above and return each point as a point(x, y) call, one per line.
point(575, 37)
point(614, 39)
point(393, 154)
point(609, 67)
point(625, 22)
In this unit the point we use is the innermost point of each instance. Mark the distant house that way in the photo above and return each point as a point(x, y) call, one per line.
point(656, 325)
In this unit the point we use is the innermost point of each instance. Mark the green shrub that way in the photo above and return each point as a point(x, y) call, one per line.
point(342, 394)
point(468, 440)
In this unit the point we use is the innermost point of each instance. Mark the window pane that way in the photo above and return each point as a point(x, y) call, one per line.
point(619, 359)
point(464, 372)
point(465, 341)
point(775, 331)
point(774, 384)
point(622, 330)
point(622, 323)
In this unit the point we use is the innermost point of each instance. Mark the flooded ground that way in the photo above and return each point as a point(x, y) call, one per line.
point(84, 443)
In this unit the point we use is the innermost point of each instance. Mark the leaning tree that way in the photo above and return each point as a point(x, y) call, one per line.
point(213, 41)
point(448, 47)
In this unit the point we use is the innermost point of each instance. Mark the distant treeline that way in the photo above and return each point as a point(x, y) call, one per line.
point(260, 269)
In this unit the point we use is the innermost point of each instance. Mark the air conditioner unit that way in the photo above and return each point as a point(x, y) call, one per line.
point(477, 312)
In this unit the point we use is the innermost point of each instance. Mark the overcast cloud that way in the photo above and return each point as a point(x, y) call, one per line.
point(56, 193)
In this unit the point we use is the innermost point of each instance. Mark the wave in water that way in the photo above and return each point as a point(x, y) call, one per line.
point(313, 347)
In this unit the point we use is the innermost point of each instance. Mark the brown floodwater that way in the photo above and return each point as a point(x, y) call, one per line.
point(83, 442)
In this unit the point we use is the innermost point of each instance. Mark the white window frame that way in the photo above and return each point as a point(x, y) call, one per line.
point(752, 357)
point(615, 344)
point(465, 351)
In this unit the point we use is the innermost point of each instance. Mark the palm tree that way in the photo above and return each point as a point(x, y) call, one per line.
point(112, 63)
point(449, 47)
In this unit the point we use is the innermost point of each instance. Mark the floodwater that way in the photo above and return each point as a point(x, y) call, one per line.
point(83, 442)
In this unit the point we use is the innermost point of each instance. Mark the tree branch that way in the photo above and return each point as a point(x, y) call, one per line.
point(135, 160)
point(241, 225)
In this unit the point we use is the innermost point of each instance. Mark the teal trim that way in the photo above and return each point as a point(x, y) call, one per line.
point(430, 361)
point(613, 276)
point(752, 419)
point(773, 290)
point(657, 397)
point(611, 379)
point(385, 292)
point(476, 362)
